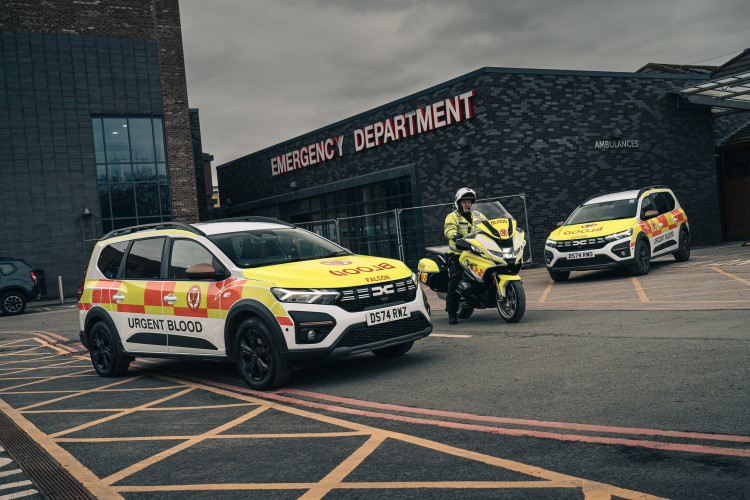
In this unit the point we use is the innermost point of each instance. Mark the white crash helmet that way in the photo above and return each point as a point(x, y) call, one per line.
point(464, 194)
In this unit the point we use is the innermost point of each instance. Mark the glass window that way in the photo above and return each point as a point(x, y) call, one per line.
point(111, 258)
point(116, 139)
point(98, 140)
point(106, 210)
point(131, 171)
point(141, 139)
point(648, 204)
point(123, 200)
point(144, 259)
point(186, 253)
point(6, 269)
point(160, 151)
point(147, 199)
point(661, 203)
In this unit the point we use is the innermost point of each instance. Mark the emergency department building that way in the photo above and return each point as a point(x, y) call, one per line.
point(559, 137)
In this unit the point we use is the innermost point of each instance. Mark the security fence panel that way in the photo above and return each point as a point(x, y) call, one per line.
point(325, 228)
point(405, 233)
point(373, 234)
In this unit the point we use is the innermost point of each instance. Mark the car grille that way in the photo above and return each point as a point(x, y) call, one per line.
point(360, 298)
point(575, 245)
point(362, 334)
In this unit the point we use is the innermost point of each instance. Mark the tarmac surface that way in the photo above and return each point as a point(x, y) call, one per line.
point(167, 431)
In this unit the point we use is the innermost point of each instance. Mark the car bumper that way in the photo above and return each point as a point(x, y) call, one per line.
point(613, 255)
point(360, 338)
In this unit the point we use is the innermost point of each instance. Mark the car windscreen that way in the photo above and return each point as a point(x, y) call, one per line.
point(265, 247)
point(606, 210)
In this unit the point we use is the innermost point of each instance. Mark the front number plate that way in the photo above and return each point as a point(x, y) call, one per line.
point(580, 255)
point(386, 315)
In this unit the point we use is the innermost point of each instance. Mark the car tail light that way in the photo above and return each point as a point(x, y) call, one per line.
point(33, 276)
point(80, 286)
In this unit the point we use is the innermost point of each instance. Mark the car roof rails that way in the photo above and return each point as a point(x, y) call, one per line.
point(649, 188)
point(156, 226)
point(250, 218)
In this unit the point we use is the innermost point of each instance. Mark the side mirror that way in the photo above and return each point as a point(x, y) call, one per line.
point(201, 272)
point(650, 213)
point(561, 223)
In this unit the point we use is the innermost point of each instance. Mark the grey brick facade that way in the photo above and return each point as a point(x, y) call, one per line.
point(537, 132)
point(60, 64)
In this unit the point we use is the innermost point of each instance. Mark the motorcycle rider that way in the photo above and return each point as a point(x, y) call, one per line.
point(458, 224)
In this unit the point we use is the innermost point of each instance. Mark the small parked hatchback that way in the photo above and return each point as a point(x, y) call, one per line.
point(625, 229)
point(259, 292)
point(19, 284)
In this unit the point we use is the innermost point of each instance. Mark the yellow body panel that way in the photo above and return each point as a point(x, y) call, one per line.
point(335, 272)
point(592, 229)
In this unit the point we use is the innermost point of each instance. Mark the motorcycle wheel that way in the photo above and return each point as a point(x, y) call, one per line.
point(464, 311)
point(513, 306)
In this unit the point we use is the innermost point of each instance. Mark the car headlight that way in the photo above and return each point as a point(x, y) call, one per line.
point(551, 243)
point(306, 296)
point(620, 235)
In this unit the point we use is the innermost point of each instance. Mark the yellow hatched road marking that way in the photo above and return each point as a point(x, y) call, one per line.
point(638, 288)
point(741, 280)
point(334, 480)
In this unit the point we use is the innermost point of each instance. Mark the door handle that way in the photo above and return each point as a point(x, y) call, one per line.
point(118, 297)
point(170, 298)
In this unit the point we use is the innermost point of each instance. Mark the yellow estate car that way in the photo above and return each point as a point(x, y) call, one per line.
point(624, 229)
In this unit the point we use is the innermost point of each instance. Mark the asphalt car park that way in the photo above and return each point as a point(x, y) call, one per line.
point(176, 429)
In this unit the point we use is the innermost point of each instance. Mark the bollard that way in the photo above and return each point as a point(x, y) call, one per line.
point(59, 287)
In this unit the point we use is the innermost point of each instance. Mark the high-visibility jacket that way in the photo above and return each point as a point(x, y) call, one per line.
point(456, 224)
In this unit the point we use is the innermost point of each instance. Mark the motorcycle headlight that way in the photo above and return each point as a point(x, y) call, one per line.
point(620, 235)
point(307, 296)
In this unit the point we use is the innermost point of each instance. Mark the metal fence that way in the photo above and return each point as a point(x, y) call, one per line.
point(403, 233)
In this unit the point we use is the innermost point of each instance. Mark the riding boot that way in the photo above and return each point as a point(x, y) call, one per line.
point(452, 318)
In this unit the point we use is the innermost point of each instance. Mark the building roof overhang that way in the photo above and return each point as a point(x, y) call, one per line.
point(726, 94)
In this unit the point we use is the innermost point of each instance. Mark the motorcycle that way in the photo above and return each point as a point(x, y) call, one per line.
point(490, 257)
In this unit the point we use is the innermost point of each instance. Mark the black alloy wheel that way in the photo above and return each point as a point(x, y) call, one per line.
point(103, 351)
point(683, 252)
point(513, 306)
point(258, 359)
point(12, 303)
point(642, 264)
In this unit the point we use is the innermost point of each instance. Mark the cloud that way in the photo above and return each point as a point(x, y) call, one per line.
point(264, 71)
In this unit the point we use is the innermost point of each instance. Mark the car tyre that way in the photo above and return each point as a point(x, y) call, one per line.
point(394, 350)
point(513, 306)
point(12, 303)
point(642, 264)
point(558, 275)
point(258, 356)
point(107, 361)
point(683, 252)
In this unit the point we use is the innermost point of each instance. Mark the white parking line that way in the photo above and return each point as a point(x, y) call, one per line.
point(450, 335)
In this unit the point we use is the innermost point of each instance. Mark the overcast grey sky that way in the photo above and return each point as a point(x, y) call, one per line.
point(264, 71)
